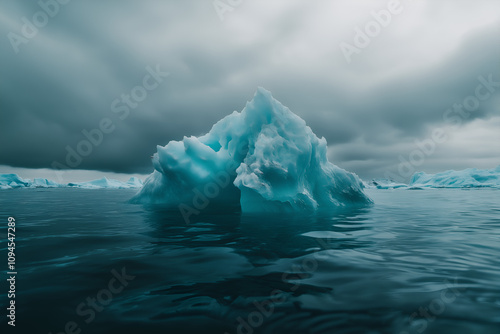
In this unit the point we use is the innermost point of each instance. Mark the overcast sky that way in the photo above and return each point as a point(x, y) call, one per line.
point(371, 101)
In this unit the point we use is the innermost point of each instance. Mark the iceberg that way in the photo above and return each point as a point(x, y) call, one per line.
point(134, 182)
point(106, 183)
point(264, 158)
point(385, 184)
point(468, 178)
point(44, 183)
point(10, 181)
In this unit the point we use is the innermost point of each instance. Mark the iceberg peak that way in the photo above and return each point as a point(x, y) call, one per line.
point(264, 158)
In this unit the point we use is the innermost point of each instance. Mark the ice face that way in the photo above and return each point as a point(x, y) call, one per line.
point(468, 178)
point(264, 158)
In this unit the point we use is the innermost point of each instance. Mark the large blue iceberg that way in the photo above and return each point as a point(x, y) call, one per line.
point(467, 178)
point(264, 158)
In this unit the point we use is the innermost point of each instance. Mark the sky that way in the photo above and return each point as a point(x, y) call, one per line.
point(395, 87)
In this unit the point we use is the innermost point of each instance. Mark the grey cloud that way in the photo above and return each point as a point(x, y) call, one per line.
point(370, 111)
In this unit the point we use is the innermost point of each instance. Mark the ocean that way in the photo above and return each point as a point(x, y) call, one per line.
point(416, 261)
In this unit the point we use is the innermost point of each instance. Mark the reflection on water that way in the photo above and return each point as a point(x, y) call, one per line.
point(415, 262)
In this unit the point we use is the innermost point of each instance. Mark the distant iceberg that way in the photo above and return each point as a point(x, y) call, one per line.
point(10, 181)
point(385, 184)
point(135, 182)
point(468, 178)
point(106, 183)
point(264, 158)
point(44, 183)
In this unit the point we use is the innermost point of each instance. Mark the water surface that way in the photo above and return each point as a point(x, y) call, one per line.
point(416, 261)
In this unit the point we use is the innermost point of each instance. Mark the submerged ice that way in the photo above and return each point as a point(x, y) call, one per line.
point(264, 158)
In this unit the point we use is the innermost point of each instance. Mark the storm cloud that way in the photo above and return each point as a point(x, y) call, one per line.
point(373, 106)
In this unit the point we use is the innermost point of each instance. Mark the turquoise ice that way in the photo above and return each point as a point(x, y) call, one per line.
point(11, 181)
point(264, 158)
point(467, 178)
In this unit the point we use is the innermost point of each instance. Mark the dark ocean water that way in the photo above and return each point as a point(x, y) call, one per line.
point(415, 262)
